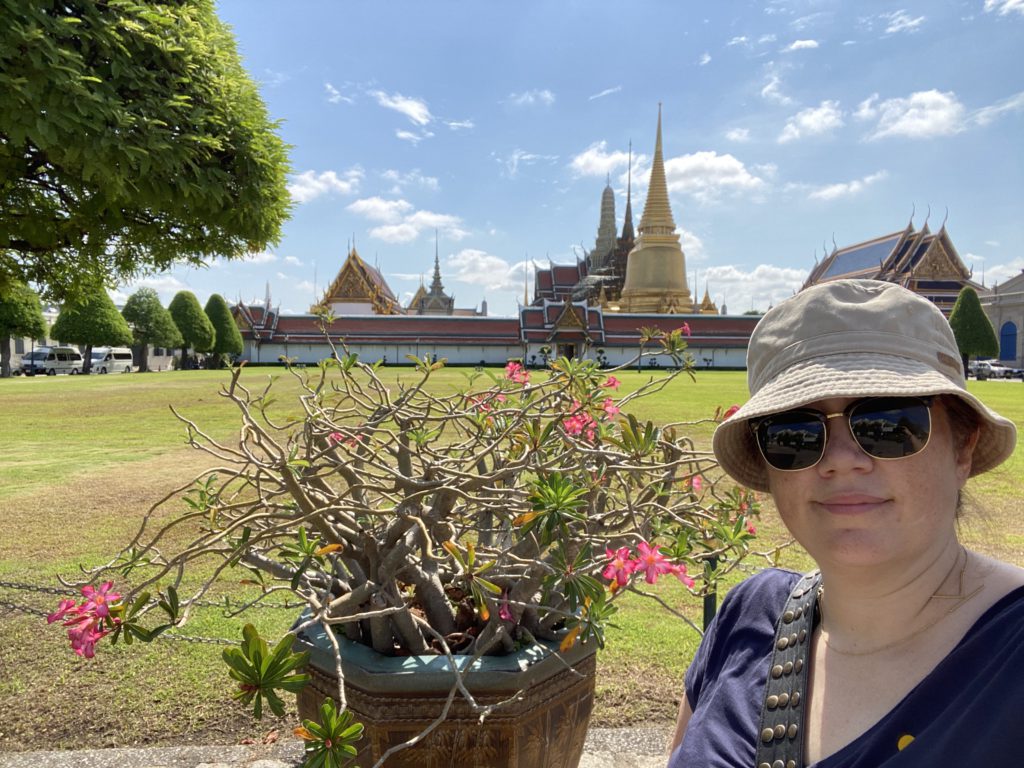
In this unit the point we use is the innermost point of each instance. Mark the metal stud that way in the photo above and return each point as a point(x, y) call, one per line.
point(780, 731)
point(767, 735)
point(791, 732)
point(773, 701)
point(799, 665)
point(778, 764)
point(794, 700)
point(787, 667)
point(764, 765)
point(777, 671)
point(783, 643)
point(792, 639)
point(788, 617)
point(799, 612)
point(782, 699)
point(803, 635)
point(791, 764)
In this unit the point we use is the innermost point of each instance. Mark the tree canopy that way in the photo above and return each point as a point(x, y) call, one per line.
point(91, 322)
point(195, 327)
point(228, 338)
point(151, 323)
point(131, 138)
point(971, 327)
point(20, 315)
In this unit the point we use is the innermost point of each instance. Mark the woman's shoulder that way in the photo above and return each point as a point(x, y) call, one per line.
point(760, 595)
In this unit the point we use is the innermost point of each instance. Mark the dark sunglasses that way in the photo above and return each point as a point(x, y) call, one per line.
point(884, 428)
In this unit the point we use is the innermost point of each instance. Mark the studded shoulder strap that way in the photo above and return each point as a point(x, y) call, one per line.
point(780, 737)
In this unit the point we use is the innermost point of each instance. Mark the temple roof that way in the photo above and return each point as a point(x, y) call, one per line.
point(657, 217)
point(358, 282)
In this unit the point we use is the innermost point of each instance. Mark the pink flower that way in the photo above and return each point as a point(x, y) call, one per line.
point(85, 635)
point(504, 612)
point(619, 565)
point(611, 410)
point(651, 562)
point(730, 412)
point(680, 573)
point(97, 600)
point(335, 437)
point(62, 610)
point(611, 382)
point(684, 329)
point(515, 372)
point(697, 483)
point(580, 422)
point(751, 529)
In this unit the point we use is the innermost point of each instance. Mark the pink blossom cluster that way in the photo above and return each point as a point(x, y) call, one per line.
point(85, 625)
point(515, 373)
point(580, 422)
point(351, 442)
point(611, 383)
point(622, 564)
point(684, 329)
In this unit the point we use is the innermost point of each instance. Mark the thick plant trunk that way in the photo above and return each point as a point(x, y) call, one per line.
point(183, 366)
point(5, 356)
point(87, 358)
point(144, 358)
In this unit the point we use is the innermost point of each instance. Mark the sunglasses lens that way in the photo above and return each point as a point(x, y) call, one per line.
point(891, 427)
point(793, 440)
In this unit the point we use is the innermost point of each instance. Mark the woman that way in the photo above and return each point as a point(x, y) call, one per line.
point(906, 649)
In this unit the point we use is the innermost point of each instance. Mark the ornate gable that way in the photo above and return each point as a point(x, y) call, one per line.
point(358, 283)
point(938, 264)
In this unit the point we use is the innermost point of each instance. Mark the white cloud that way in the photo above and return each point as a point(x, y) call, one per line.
point(519, 157)
point(813, 121)
point(704, 59)
point(801, 45)
point(459, 125)
point(901, 21)
point(692, 245)
point(805, 21)
point(866, 110)
point(759, 288)
point(379, 209)
point(920, 115)
point(412, 137)
point(1000, 273)
point(707, 175)
point(293, 260)
point(846, 188)
point(166, 285)
point(596, 160)
point(741, 40)
point(738, 134)
point(335, 96)
point(261, 257)
point(305, 286)
point(529, 98)
point(986, 115)
point(1004, 7)
point(605, 92)
point(769, 38)
point(412, 178)
point(772, 90)
point(992, 243)
point(310, 185)
point(414, 109)
point(414, 224)
point(493, 273)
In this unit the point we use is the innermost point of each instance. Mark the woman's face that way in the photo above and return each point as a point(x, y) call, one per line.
point(854, 510)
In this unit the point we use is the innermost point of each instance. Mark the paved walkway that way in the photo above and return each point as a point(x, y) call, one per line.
point(605, 748)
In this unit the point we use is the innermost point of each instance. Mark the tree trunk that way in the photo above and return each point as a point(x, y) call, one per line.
point(183, 366)
point(143, 358)
point(5, 356)
point(87, 358)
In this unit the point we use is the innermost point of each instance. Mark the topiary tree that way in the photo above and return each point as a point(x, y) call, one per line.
point(228, 338)
point(20, 315)
point(195, 327)
point(93, 321)
point(151, 323)
point(131, 138)
point(971, 327)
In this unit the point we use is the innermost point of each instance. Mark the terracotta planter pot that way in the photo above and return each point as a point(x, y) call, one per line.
point(397, 697)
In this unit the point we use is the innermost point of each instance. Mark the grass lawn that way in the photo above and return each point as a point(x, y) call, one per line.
point(84, 457)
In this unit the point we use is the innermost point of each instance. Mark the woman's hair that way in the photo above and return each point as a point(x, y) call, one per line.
point(964, 421)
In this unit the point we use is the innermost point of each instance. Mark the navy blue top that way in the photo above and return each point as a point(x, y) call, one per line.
point(968, 711)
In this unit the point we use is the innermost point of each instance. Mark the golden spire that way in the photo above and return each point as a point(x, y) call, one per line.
point(657, 219)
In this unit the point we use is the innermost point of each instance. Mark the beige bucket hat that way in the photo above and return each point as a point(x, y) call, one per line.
point(851, 338)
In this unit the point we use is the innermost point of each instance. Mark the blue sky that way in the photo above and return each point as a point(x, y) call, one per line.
point(786, 124)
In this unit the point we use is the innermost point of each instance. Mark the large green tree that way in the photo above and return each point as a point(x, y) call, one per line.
point(228, 338)
point(151, 324)
point(92, 321)
point(131, 138)
point(195, 327)
point(972, 328)
point(20, 315)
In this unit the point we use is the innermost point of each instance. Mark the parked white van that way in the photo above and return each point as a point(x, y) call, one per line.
point(111, 360)
point(52, 360)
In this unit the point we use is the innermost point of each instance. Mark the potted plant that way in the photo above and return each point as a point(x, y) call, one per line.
point(459, 554)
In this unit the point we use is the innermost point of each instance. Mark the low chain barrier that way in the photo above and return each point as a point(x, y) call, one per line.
point(169, 635)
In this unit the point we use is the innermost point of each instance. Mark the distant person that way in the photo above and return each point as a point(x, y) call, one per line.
point(904, 648)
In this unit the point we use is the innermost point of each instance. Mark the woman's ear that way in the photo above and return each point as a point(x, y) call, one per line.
point(965, 455)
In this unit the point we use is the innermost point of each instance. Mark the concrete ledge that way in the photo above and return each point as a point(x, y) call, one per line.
point(605, 748)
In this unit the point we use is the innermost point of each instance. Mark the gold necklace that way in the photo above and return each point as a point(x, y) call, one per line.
point(960, 598)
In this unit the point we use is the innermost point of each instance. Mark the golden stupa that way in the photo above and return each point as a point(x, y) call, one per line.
point(656, 267)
